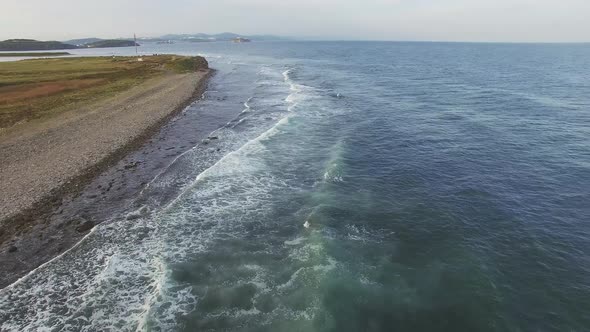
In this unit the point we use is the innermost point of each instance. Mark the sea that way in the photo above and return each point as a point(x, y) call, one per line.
point(360, 186)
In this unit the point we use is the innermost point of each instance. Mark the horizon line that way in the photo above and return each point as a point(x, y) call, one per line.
point(322, 39)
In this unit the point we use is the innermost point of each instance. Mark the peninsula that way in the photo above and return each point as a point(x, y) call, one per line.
point(18, 45)
point(63, 120)
point(32, 54)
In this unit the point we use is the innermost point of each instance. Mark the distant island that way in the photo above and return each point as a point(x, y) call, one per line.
point(82, 41)
point(203, 37)
point(21, 45)
point(18, 45)
point(35, 54)
point(33, 45)
point(241, 40)
point(110, 43)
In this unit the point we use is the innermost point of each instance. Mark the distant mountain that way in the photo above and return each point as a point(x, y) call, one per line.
point(151, 40)
point(170, 39)
point(189, 37)
point(110, 43)
point(36, 45)
point(98, 42)
point(33, 45)
point(82, 41)
point(225, 36)
point(267, 37)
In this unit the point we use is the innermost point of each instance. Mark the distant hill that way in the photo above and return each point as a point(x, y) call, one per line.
point(93, 42)
point(189, 37)
point(80, 42)
point(226, 36)
point(17, 45)
point(110, 43)
point(241, 40)
point(33, 45)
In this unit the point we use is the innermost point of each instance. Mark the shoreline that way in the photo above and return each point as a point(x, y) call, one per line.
point(20, 250)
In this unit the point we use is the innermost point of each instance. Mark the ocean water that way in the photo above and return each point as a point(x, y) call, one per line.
point(360, 187)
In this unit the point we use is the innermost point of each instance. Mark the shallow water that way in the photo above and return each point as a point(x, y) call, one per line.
point(444, 186)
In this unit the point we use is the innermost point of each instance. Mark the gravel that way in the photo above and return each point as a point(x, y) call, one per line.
point(38, 159)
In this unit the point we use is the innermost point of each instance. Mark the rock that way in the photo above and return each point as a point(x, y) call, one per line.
point(213, 137)
point(133, 216)
point(12, 249)
point(132, 165)
point(84, 225)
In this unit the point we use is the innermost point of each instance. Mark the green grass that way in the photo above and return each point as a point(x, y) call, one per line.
point(34, 54)
point(42, 88)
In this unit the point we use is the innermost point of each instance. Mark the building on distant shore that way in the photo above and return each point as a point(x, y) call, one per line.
point(241, 40)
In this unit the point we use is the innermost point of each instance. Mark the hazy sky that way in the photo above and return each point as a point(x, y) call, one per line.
point(450, 20)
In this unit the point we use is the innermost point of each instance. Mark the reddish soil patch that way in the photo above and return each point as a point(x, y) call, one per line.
point(26, 91)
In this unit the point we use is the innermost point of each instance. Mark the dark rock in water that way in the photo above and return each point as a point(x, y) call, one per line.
point(133, 216)
point(132, 165)
point(213, 137)
point(141, 236)
point(138, 214)
point(84, 225)
point(12, 249)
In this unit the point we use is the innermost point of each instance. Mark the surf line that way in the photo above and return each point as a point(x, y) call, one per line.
point(25, 277)
point(294, 91)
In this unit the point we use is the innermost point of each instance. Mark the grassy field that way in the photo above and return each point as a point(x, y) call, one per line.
point(34, 54)
point(41, 88)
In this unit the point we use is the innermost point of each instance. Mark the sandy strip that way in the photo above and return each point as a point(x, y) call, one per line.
point(40, 160)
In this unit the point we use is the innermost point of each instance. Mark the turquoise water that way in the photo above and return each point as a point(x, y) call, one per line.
point(361, 187)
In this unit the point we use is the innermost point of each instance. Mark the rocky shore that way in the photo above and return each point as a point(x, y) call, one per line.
point(44, 162)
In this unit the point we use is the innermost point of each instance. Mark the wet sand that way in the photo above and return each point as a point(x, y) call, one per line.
point(60, 179)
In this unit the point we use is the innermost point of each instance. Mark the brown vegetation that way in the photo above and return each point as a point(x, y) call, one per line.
point(42, 88)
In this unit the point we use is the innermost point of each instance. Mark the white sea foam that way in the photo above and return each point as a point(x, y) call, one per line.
point(247, 106)
point(120, 274)
point(295, 241)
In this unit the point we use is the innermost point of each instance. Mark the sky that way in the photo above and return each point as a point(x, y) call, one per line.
point(418, 20)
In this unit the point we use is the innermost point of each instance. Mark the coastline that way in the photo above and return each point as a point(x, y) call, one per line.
point(123, 124)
